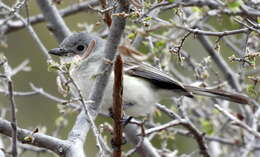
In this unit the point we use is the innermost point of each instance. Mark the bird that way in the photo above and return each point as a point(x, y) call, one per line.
point(143, 84)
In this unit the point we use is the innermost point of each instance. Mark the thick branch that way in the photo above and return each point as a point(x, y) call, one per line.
point(82, 125)
point(145, 149)
point(51, 15)
point(51, 143)
point(71, 10)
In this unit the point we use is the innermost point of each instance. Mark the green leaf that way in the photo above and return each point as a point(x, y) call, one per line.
point(148, 18)
point(131, 36)
point(197, 9)
point(234, 5)
point(207, 126)
point(147, 5)
point(160, 44)
point(158, 113)
point(68, 65)
point(251, 90)
point(53, 67)
point(27, 139)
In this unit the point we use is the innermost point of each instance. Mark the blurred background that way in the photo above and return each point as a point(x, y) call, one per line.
point(38, 111)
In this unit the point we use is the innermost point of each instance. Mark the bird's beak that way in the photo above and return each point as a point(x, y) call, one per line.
point(58, 52)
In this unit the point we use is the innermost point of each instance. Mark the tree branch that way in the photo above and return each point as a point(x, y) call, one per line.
point(51, 14)
point(82, 124)
point(199, 137)
point(8, 74)
point(231, 76)
point(145, 149)
point(40, 140)
point(238, 122)
point(71, 10)
point(117, 108)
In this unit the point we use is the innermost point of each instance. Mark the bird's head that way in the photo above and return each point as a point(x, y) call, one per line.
point(79, 44)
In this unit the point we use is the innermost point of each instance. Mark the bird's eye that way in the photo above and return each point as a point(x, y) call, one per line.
point(80, 47)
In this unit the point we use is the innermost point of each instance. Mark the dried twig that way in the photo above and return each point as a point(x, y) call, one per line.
point(117, 108)
point(190, 126)
point(8, 73)
point(229, 74)
point(238, 122)
point(107, 15)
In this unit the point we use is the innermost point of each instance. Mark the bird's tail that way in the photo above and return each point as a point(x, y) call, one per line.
point(220, 94)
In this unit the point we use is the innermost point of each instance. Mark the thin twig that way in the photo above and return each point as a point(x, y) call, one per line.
point(107, 15)
point(163, 127)
point(8, 73)
point(20, 67)
point(229, 74)
point(237, 121)
point(100, 142)
point(188, 125)
point(47, 95)
point(30, 30)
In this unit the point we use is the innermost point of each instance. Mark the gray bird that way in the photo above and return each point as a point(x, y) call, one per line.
point(144, 84)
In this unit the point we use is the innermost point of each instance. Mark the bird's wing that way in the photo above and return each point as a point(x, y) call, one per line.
point(155, 76)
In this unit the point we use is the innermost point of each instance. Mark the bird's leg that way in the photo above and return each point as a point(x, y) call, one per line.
point(125, 120)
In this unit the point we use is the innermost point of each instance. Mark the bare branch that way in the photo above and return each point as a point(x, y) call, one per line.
point(8, 73)
point(117, 108)
point(231, 77)
point(51, 15)
point(47, 95)
point(238, 122)
point(31, 31)
point(71, 10)
point(145, 148)
point(107, 15)
point(199, 137)
point(163, 127)
point(40, 140)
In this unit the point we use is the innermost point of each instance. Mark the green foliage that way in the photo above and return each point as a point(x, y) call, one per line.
point(251, 59)
point(27, 139)
point(160, 44)
point(251, 90)
point(147, 4)
point(234, 5)
point(53, 67)
point(166, 135)
point(94, 77)
point(148, 18)
point(131, 35)
point(207, 126)
point(197, 9)
point(157, 113)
